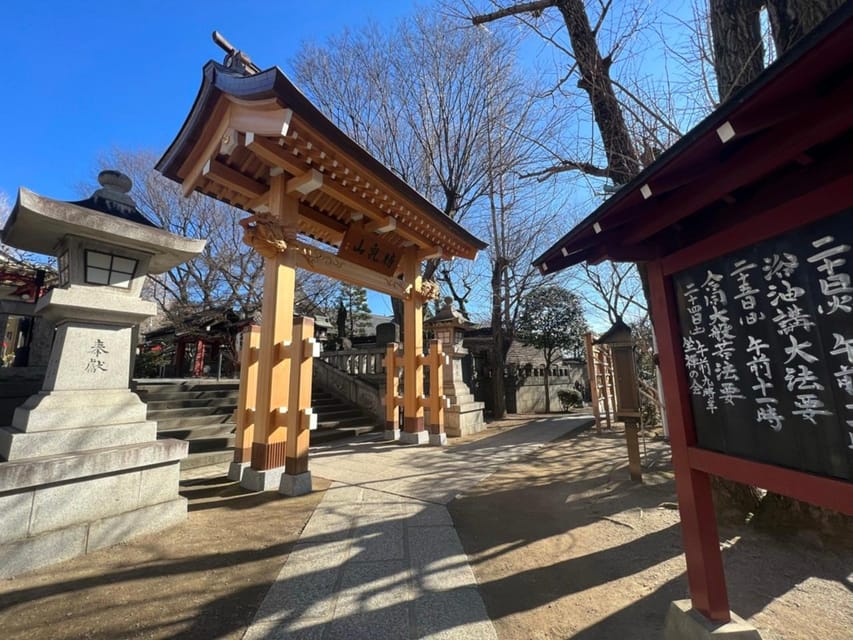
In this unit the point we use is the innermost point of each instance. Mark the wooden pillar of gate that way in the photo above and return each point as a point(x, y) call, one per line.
point(436, 401)
point(392, 400)
point(244, 415)
point(300, 417)
point(413, 353)
point(274, 362)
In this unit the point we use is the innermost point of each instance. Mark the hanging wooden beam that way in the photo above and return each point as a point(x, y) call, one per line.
point(305, 183)
point(272, 122)
point(328, 264)
point(232, 179)
point(381, 226)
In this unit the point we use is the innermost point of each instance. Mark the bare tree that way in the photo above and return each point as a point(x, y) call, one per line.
point(418, 99)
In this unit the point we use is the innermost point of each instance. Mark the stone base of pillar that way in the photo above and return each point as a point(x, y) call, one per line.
point(59, 507)
point(266, 480)
point(685, 623)
point(235, 470)
point(439, 439)
point(391, 435)
point(414, 437)
point(464, 419)
point(296, 485)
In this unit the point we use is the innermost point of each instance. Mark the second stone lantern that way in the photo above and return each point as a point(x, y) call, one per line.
point(464, 416)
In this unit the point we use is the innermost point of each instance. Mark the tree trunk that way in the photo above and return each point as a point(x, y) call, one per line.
point(622, 162)
point(738, 49)
point(547, 388)
point(790, 20)
point(498, 350)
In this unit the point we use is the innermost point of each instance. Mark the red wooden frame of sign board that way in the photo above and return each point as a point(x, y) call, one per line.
point(771, 160)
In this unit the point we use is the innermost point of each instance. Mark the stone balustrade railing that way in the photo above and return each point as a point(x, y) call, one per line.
point(356, 362)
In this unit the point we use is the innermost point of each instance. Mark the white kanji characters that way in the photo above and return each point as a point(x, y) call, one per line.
point(801, 378)
point(834, 285)
point(808, 405)
point(714, 294)
point(798, 350)
point(784, 292)
point(766, 412)
point(776, 264)
point(787, 320)
point(760, 363)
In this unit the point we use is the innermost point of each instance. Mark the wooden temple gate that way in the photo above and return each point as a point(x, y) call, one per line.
point(319, 202)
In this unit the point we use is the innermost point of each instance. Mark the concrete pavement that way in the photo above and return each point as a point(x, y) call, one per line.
point(379, 558)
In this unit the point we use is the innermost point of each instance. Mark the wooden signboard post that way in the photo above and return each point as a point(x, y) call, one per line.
point(745, 233)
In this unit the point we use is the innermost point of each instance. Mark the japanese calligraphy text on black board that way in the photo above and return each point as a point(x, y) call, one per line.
point(767, 338)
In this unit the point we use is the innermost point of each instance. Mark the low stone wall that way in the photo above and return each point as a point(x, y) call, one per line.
point(59, 507)
point(530, 390)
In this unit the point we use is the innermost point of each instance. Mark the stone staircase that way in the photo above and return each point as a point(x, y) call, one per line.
point(201, 412)
point(198, 411)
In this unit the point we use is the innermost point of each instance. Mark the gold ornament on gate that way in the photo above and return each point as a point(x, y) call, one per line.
point(265, 234)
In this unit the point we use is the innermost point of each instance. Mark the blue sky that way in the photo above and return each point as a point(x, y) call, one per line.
point(81, 78)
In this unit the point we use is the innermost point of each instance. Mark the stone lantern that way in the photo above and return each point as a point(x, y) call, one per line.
point(465, 415)
point(85, 433)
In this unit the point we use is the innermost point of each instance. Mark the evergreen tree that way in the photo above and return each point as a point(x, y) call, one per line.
point(552, 320)
point(353, 300)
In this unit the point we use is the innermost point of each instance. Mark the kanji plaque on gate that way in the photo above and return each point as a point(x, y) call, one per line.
point(370, 250)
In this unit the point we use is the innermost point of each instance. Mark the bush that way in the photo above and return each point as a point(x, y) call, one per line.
point(570, 398)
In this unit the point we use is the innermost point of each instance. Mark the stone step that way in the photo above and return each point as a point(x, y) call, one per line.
point(338, 412)
point(171, 424)
point(149, 386)
point(199, 432)
point(320, 436)
point(345, 423)
point(186, 403)
point(206, 459)
point(158, 396)
point(174, 414)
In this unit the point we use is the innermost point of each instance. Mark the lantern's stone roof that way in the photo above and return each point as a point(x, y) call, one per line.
point(447, 315)
point(39, 224)
point(113, 198)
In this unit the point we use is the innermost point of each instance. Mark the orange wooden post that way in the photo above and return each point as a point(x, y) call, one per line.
point(274, 363)
point(437, 400)
point(296, 480)
point(244, 415)
point(413, 353)
point(392, 400)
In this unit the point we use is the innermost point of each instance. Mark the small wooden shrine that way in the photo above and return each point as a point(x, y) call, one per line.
point(317, 201)
point(745, 229)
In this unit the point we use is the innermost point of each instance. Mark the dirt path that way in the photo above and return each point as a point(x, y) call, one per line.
point(201, 580)
point(564, 546)
point(561, 544)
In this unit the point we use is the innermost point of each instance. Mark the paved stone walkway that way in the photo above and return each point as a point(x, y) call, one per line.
point(379, 557)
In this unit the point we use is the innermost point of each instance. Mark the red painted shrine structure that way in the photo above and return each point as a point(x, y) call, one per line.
point(744, 228)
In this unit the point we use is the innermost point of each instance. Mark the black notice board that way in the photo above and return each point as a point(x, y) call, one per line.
point(767, 337)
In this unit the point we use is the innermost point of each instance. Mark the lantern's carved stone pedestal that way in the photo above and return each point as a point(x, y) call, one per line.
point(464, 416)
point(80, 465)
